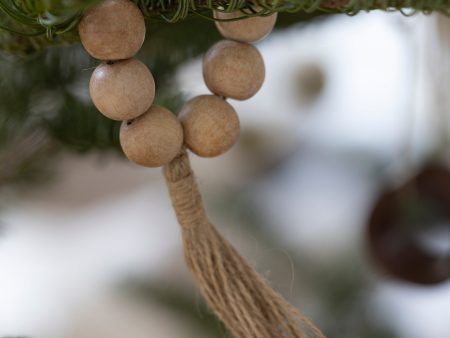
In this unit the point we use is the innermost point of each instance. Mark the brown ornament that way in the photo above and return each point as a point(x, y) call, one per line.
point(401, 221)
point(113, 30)
point(211, 125)
point(122, 90)
point(251, 29)
point(152, 139)
point(233, 69)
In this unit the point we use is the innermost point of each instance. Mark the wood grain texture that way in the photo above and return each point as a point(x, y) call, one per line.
point(152, 139)
point(233, 69)
point(123, 90)
point(211, 125)
point(113, 30)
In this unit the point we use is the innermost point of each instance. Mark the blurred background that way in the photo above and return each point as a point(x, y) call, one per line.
point(337, 191)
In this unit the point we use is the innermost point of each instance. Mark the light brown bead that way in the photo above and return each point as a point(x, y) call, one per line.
point(152, 139)
point(211, 125)
point(113, 30)
point(250, 29)
point(233, 69)
point(122, 90)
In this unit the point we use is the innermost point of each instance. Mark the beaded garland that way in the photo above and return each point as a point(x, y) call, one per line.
point(122, 88)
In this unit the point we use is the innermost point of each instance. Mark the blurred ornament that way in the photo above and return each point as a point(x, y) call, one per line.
point(408, 232)
point(310, 83)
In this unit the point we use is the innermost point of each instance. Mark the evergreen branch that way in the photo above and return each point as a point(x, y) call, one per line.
point(55, 17)
point(14, 31)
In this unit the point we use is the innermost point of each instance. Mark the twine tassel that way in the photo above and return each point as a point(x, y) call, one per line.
point(234, 290)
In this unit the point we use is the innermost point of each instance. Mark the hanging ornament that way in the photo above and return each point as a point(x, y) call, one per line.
point(400, 228)
point(209, 126)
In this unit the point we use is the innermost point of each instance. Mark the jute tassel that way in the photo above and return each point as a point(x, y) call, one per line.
point(238, 295)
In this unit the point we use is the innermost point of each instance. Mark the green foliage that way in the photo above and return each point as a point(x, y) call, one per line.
point(56, 19)
point(29, 25)
point(44, 16)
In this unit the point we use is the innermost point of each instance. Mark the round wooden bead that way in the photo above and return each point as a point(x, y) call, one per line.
point(250, 29)
point(211, 125)
point(153, 139)
point(233, 69)
point(122, 90)
point(113, 30)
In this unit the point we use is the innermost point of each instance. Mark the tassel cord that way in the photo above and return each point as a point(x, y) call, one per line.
point(239, 296)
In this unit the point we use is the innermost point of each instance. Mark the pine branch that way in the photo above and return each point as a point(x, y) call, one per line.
point(26, 26)
point(56, 17)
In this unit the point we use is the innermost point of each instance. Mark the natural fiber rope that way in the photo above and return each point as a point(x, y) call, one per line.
point(184, 192)
point(233, 289)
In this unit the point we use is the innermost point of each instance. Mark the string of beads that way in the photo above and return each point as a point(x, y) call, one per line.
point(122, 87)
point(231, 69)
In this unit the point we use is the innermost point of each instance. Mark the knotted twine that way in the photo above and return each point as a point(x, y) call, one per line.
point(232, 288)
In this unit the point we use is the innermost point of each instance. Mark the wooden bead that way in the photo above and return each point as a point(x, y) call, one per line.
point(233, 69)
point(251, 29)
point(211, 125)
point(153, 139)
point(122, 90)
point(113, 30)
